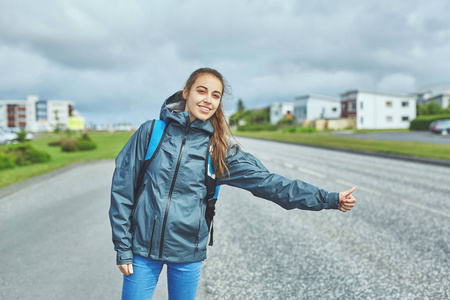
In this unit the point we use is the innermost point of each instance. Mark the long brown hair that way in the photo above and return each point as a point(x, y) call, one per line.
point(218, 121)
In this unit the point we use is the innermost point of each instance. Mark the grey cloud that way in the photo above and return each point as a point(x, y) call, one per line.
point(129, 56)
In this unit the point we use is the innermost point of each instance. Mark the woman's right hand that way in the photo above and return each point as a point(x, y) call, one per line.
point(126, 269)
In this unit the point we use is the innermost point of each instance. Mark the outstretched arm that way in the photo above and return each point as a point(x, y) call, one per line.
point(247, 172)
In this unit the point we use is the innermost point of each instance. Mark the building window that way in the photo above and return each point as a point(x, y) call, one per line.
point(361, 105)
point(405, 118)
point(362, 120)
point(334, 109)
point(352, 106)
point(388, 103)
point(389, 119)
point(405, 103)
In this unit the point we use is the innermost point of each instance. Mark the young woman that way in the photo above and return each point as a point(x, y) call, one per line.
point(163, 220)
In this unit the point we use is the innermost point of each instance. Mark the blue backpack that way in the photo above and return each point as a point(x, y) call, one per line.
point(155, 138)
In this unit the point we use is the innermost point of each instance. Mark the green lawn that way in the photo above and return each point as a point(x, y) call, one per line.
point(109, 145)
point(419, 149)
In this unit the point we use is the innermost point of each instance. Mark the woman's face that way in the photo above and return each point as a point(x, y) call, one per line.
point(203, 99)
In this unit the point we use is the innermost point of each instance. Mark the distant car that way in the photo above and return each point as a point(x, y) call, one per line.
point(8, 136)
point(440, 126)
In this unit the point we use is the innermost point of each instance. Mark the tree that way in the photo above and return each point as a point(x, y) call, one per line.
point(431, 108)
point(58, 126)
point(240, 105)
point(21, 136)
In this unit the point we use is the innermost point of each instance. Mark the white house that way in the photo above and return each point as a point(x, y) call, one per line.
point(279, 109)
point(311, 107)
point(378, 110)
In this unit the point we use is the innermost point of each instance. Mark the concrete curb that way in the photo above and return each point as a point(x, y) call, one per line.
point(11, 189)
point(423, 160)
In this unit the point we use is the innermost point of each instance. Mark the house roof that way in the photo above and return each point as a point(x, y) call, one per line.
point(443, 88)
point(374, 92)
point(321, 97)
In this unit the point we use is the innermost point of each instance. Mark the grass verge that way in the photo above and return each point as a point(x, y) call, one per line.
point(417, 149)
point(109, 145)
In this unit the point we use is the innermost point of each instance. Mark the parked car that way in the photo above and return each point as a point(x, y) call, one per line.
point(440, 126)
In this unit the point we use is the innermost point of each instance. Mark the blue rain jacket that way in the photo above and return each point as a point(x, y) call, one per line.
point(165, 218)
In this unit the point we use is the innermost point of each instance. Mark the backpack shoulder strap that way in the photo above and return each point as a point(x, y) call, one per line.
point(155, 139)
point(154, 143)
point(212, 192)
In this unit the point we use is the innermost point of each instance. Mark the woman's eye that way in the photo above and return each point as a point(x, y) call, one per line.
point(201, 91)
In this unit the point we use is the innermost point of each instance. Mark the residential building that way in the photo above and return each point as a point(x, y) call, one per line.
point(378, 110)
point(442, 99)
point(34, 114)
point(437, 93)
point(279, 109)
point(311, 107)
point(12, 114)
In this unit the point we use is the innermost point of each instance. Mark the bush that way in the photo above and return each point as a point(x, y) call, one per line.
point(84, 145)
point(306, 130)
point(289, 129)
point(286, 122)
point(69, 145)
point(25, 154)
point(6, 162)
point(54, 143)
point(300, 130)
point(423, 122)
point(85, 137)
point(258, 127)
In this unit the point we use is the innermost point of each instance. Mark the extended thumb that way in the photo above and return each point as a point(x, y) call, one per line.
point(348, 192)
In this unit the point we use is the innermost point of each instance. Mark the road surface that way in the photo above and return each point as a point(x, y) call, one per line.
point(394, 245)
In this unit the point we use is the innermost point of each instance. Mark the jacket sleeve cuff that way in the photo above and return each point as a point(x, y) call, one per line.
point(333, 200)
point(124, 257)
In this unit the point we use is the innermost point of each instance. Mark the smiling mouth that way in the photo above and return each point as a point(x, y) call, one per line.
point(204, 109)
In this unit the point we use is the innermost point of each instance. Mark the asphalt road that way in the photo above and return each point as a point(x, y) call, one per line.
point(394, 245)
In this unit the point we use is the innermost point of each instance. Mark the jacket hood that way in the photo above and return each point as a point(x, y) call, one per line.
point(172, 110)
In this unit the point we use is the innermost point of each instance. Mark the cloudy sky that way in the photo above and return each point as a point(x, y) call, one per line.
point(118, 60)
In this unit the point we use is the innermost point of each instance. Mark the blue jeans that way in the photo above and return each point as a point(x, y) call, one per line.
point(182, 279)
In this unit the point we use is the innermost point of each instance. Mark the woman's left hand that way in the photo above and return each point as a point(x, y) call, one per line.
point(346, 200)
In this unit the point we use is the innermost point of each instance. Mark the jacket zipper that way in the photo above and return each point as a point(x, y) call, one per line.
point(151, 238)
point(197, 239)
point(171, 191)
